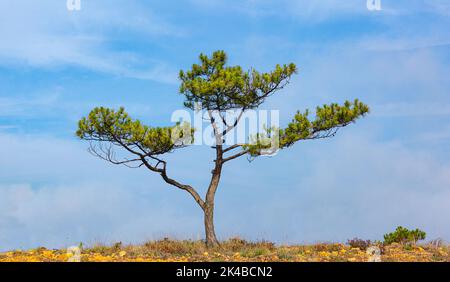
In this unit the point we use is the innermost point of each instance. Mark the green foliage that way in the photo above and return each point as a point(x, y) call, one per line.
point(220, 87)
point(404, 236)
point(107, 125)
point(267, 140)
point(329, 118)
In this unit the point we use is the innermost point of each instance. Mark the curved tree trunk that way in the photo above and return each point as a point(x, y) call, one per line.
point(211, 239)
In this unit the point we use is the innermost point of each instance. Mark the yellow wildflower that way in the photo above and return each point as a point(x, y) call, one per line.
point(323, 254)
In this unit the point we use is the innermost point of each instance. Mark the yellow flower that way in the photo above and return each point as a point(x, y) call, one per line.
point(47, 253)
point(122, 253)
point(324, 254)
point(205, 254)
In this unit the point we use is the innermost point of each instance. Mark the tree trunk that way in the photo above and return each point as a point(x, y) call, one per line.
point(208, 209)
point(211, 240)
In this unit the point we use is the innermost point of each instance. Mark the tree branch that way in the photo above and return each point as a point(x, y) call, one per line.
point(109, 156)
point(235, 156)
point(167, 179)
point(230, 127)
point(232, 147)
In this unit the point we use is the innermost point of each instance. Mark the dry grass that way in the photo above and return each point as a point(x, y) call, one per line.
point(233, 250)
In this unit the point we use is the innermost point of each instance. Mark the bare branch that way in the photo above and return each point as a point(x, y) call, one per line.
point(232, 147)
point(163, 173)
point(108, 154)
point(242, 153)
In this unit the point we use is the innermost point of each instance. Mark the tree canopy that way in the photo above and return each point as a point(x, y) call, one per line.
point(220, 87)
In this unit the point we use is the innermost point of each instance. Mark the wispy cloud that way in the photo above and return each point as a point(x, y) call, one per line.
point(315, 10)
point(52, 104)
point(46, 34)
point(28, 106)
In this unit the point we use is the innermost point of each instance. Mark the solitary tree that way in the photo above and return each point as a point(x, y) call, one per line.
point(218, 88)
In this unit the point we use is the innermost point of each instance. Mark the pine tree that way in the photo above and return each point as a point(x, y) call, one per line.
point(218, 88)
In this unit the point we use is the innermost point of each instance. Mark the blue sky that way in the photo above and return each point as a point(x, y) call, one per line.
point(391, 168)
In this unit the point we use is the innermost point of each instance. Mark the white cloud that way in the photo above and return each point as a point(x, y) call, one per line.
point(28, 106)
point(94, 212)
point(51, 104)
point(45, 34)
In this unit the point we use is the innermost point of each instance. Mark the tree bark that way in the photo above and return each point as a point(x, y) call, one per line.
point(208, 209)
point(211, 239)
